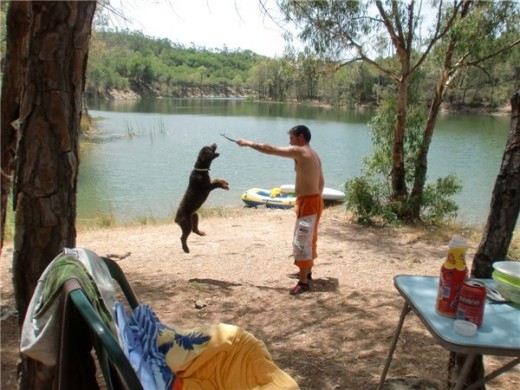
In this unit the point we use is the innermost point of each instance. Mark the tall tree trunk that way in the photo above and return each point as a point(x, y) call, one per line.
point(404, 49)
point(47, 154)
point(505, 205)
point(17, 22)
point(402, 37)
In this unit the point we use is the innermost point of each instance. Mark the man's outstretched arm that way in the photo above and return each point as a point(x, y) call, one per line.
point(282, 151)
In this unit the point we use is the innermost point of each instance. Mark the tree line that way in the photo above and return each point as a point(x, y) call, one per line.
point(130, 60)
point(150, 66)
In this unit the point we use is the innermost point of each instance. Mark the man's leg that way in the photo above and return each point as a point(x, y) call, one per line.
point(304, 274)
point(303, 282)
point(305, 238)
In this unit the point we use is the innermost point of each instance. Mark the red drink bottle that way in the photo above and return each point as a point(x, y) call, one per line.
point(453, 274)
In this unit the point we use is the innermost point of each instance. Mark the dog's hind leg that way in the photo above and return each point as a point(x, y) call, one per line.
point(195, 225)
point(184, 241)
point(186, 230)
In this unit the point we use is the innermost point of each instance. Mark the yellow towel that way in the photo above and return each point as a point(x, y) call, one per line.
point(233, 359)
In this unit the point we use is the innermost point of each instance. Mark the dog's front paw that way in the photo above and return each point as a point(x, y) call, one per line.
point(224, 184)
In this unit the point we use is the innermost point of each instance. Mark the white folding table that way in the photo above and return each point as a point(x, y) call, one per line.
point(499, 334)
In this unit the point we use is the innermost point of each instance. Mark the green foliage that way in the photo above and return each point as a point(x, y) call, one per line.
point(364, 198)
point(514, 248)
point(271, 79)
point(369, 197)
point(437, 205)
point(485, 74)
point(382, 130)
point(129, 59)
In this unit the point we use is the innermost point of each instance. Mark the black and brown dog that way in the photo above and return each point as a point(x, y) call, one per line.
point(199, 187)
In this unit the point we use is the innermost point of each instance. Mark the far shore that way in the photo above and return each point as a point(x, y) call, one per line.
point(129, 95)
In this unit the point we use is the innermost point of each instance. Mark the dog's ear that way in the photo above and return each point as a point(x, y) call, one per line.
point(205, 151)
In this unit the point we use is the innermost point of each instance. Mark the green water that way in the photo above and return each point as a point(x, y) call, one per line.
point(140, 163)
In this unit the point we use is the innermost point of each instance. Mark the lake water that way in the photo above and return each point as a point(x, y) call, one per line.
point(140, 163)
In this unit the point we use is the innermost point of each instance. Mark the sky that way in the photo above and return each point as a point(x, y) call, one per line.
point(213, 24)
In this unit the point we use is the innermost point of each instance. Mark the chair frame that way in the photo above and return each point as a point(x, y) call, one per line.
point(115, 366)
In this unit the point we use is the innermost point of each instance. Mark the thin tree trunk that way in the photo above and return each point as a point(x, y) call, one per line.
point(402, 37)
point(398, 173)
point(421, 165)
point(47, 154)
point(442, 84)
point(17, 22)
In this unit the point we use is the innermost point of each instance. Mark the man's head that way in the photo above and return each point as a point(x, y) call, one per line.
point(301, 130)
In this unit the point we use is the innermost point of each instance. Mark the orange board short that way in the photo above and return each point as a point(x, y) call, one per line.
point(308, 210)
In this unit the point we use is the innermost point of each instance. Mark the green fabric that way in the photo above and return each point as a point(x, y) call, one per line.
point(68, 267)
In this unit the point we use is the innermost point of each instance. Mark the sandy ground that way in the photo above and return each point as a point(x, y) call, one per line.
point(335, 337)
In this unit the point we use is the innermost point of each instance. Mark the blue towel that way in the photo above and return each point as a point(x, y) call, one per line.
point(133, 349)
point(139, 333)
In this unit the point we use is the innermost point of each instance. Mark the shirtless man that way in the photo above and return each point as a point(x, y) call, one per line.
point(309, 184)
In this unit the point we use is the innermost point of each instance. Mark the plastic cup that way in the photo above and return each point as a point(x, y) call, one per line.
point(465, 328)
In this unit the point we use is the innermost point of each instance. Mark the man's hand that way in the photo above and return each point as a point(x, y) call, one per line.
point(243, 142)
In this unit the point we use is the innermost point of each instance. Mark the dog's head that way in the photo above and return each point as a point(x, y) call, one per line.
point(206, 155)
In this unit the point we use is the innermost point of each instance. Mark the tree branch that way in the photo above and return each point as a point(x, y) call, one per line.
point(491, 55)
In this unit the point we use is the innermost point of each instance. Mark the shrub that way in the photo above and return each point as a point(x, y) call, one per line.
point(436, 205)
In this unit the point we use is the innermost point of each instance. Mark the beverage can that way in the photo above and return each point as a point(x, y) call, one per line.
point(452, 276)
point(472, 300)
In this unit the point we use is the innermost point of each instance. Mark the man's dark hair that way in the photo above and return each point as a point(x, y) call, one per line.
point(301, 129)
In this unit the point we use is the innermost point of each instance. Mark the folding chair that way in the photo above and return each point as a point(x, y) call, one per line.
point(116, 368)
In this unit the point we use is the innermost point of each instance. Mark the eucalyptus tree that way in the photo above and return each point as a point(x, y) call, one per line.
point(271, 79)
point(351, 31)
point(395, 38)
point(333, 86)
point(259, 78)
point(480, 31)
point(306, 76)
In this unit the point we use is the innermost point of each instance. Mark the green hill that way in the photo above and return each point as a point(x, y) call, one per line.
point(153, 67)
